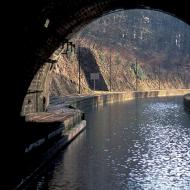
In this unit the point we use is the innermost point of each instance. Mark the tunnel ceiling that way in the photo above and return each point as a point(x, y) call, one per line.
point(67, 15)
point(38, 42)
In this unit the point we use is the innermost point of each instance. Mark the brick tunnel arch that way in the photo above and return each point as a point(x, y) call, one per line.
point(45, 25)
point(34, 42)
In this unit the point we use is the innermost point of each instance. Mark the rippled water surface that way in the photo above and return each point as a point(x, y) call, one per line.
point(141, 144)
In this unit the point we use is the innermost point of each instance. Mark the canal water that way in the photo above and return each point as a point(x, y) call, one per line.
point(140, 144)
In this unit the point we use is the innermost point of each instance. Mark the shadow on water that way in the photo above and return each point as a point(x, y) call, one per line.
point(50, 172)
point(89, 65)
point(32, 161)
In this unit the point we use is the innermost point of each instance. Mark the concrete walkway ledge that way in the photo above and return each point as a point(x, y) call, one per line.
point(52, 132)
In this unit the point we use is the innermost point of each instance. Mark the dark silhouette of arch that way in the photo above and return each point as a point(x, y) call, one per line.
point(33, 40)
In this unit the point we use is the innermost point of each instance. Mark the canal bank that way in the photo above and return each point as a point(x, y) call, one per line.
point(186, 102)
point(86, 101)
point(47, 132)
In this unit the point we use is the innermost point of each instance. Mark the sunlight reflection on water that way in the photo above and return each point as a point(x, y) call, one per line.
point(164, 154)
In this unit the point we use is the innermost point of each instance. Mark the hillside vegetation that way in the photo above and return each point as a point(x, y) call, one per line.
point(129, 49)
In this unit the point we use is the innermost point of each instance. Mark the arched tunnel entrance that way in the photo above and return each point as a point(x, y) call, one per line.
point(44, 26)
point(47, 25)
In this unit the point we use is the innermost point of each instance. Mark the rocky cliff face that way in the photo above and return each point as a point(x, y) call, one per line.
point(149, 48)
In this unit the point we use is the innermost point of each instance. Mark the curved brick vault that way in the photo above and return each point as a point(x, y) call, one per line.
point(37, 42)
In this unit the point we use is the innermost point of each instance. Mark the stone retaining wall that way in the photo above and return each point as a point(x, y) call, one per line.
point(84, 102)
